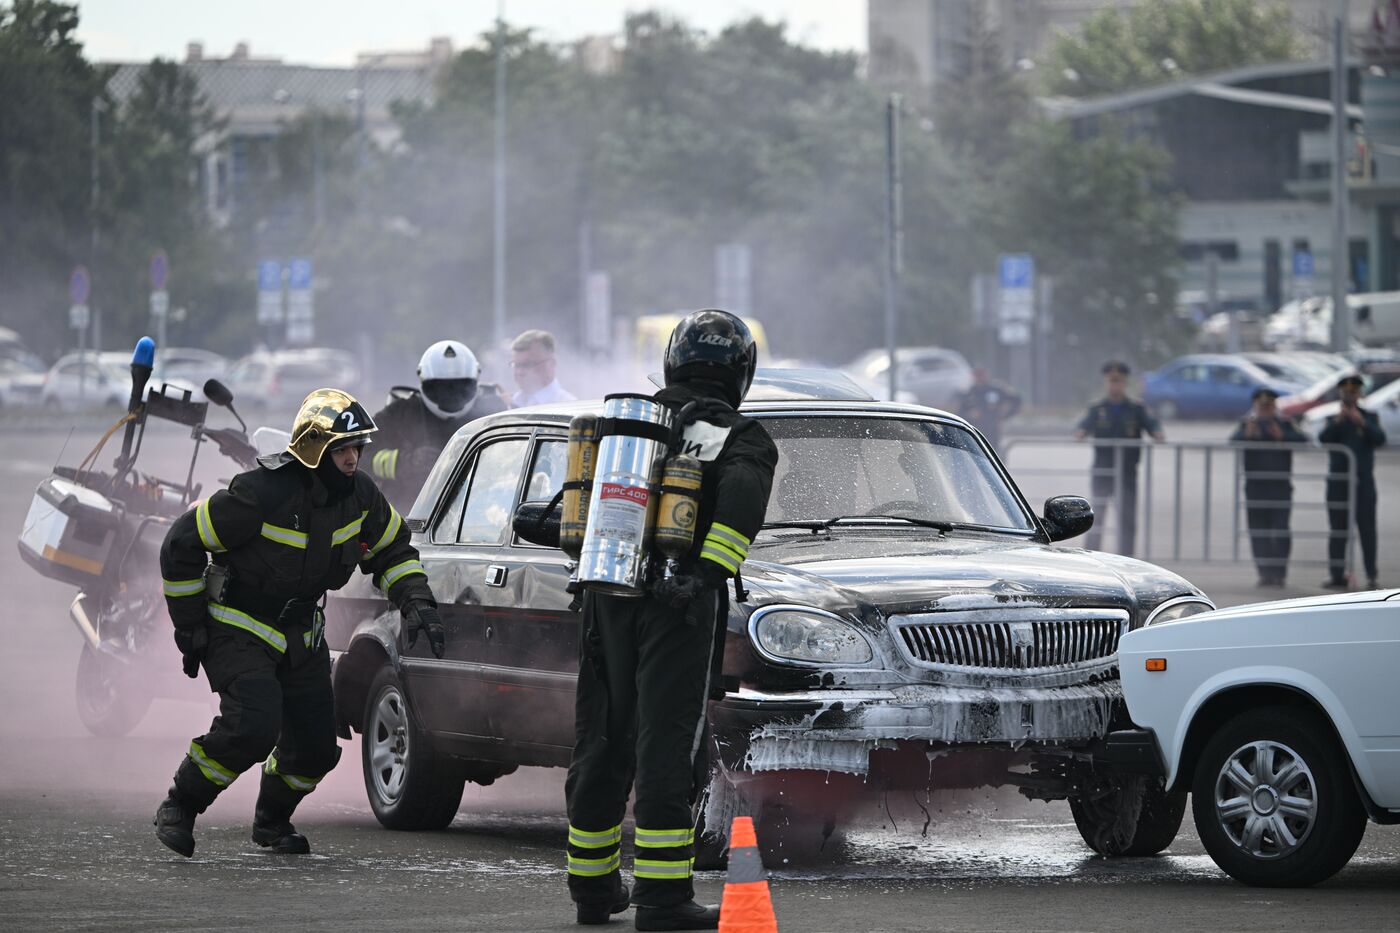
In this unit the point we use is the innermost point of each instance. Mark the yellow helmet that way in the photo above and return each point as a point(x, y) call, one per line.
point(328, 419)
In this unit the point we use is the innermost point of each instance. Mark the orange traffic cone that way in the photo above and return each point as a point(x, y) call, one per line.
point(747, 906)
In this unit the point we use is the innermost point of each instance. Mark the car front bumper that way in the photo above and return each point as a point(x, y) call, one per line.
point(836, 730)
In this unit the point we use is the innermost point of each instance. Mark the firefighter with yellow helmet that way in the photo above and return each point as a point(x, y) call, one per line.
point(245, 575)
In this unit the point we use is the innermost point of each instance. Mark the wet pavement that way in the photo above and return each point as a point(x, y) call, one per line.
point(77, 850)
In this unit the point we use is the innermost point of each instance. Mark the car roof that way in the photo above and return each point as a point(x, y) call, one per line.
point(562, 413)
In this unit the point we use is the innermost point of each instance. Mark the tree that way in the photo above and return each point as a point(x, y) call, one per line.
point(1101, 221)
point(47, 91)
point(1160, 40)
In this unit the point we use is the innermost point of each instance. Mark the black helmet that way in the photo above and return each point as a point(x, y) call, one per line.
point(713, 345)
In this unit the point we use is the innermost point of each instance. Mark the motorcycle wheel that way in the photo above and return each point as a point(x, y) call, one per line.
point(109, 703)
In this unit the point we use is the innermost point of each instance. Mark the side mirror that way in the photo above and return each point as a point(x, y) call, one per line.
point(1067, 517)
point(538, 522)
point(218, 393)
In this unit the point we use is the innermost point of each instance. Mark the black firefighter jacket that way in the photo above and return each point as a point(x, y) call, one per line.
point(282, 536)
point(737, 458)
point(410, 438)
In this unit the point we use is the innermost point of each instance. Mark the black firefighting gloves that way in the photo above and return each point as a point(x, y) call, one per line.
point(420, 615)
point(679, 591)
point(192, 641)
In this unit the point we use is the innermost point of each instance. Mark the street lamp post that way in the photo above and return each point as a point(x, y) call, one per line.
point(1341, 253)
point(498, 267)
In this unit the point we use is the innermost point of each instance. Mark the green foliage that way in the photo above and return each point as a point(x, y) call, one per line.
point(1161, 40)
point(46, 94)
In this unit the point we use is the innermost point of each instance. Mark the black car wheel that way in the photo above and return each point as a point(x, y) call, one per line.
point(1274, 801)
point(1128, 815)
point(110, 703)
point(410, 786)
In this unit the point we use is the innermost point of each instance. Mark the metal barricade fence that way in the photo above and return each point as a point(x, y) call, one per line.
point(1199, 489)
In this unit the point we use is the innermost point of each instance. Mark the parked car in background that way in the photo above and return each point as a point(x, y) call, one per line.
point(1281, 719)
point(935, 376)
point(87, 380)
point(1288, 367)
point(1213, 336)
point(1208, 385)
point(188, 366)
point(276, 382)
point(1384, 402)
point(21, 382)
point(908, 623)
point(1308, 322)
point(1377, 376)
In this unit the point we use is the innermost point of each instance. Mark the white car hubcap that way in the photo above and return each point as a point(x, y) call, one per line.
point(1266, 799)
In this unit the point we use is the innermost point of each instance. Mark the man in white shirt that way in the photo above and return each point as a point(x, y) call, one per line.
point(532, 362)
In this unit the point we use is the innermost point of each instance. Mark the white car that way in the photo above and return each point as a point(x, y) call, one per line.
point(935, 376)
point(1282, 720)
point(1385, 402)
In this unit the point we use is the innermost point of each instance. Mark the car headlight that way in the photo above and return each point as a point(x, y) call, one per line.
point(1179, 608)
point(807, 636)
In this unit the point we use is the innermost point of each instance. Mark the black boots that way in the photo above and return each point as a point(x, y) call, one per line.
point(174, 823)
point(687, 916)
point(595, 913)
point(272, 828)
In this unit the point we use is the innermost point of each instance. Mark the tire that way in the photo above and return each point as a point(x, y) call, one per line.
point(1325, 818)
point(1128, 816)
point(110, 703)
point(1168, 410)
point(409, 785)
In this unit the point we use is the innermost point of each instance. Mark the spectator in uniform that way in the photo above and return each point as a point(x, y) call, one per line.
point(1360, 430)
point(1114, 478)
point(1268, 490)
point(987, 403)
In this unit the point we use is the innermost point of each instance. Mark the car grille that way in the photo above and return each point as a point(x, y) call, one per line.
point(1011, 641)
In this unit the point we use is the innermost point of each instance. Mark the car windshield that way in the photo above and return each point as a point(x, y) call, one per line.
point(846, 467)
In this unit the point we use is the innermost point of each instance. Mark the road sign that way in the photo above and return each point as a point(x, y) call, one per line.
point(299, 275)
point(160, 304)
point(160, 271)
point(1016, 297)
point(78, 316)
point(79, 286)
point(301, 308)
point(1303, 264)
point(269, 291)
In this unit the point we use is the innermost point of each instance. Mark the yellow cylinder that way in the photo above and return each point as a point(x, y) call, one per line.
point(680, 503)
point(578, 480)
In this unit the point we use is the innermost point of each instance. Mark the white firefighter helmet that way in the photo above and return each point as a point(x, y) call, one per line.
point(448, 374)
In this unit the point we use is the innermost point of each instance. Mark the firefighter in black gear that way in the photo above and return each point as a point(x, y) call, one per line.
point(417, 423)
point(646, 663)
point(1268, 491)
point(1361, 431)
point(280, 536)
point(1115, 474)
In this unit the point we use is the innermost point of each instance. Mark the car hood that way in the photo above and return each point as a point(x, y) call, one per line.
point(856, 571)
point(1305, 602)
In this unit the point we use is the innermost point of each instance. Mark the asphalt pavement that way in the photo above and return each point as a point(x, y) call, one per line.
point(77, 850)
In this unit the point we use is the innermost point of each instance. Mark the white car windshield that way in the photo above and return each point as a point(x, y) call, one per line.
point(849, 467)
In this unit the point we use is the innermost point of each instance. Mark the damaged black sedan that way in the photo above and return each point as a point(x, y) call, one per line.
point(909, 624)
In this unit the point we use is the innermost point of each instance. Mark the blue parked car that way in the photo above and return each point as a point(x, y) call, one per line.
point(1207, 385)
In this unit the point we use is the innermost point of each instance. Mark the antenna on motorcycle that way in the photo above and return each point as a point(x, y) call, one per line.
point(218, 393)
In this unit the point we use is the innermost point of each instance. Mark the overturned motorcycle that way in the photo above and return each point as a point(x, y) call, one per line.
point(102, 531)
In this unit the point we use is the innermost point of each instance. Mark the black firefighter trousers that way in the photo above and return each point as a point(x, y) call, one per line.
point(273, 706)
point(643, 681)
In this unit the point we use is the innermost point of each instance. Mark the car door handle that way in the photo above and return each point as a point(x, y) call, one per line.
point(496, 575)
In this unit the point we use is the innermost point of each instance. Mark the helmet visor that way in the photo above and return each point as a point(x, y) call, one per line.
point(452, 396)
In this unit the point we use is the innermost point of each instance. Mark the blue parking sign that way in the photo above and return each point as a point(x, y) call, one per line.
point(299, 275)
point(1303, 266)
point(1016, 270)
point(270, 275)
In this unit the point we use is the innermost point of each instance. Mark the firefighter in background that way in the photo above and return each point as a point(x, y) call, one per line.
point(280, 536)
point(647, 662)
point(417, 424)
point(1114, 481)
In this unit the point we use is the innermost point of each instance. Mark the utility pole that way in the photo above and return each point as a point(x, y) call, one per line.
point(894, 235)
point(498, 268)
point(96, 240)
point(1341, 252)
